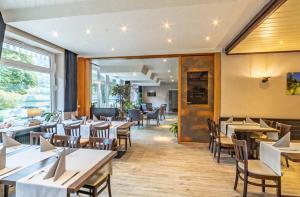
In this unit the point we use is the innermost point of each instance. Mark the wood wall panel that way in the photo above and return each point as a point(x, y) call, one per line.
point(192, 118)
point(83, 86)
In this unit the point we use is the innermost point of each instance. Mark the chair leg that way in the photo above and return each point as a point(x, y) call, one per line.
point(212, 145)
point(287, 162)
point(263, 182)
point(245, 185)
point(95, 193)
point(279, 187)
point(129, 138)
point(219, 153)
point(126, 143)
point(209, 144)
point(108, 186)
point(6, 188)
point(236, 178)
point(215, 149)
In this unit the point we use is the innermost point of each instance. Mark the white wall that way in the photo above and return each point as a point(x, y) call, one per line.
point(162, 96)
point(243, 94)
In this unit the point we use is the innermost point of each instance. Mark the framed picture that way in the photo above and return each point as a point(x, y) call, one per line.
point(197, 87)
point(293, 83)
point(151, 93)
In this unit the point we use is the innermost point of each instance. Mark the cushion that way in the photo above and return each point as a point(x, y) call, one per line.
point(258, 167)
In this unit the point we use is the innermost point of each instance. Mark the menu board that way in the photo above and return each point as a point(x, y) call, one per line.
point(197, 87)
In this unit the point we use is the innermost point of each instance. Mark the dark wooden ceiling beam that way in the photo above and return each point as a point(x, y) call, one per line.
point(263, 14)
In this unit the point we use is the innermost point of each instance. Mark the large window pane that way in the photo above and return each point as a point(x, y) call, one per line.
point(22, 90)
point(16, 53)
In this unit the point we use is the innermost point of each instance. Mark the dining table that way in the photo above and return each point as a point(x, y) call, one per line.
point(26, 166)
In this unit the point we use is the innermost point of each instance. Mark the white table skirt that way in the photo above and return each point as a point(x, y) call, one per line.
point(37, 186)
point(271, 155)
point(85, 129)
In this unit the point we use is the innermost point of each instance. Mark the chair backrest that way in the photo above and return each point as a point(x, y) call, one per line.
point(102, 143)
point(35, 137)
point(104, 118)
point(215, 131)
point(270, 123)
point(60, 140)
point(144, 107)
point(241, 152)
point(283, 129)
point(72, 130)
point(51, 128)
point(134, 114)
point(101, 131)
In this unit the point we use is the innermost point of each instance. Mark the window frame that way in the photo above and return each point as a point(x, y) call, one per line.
point(31, 67)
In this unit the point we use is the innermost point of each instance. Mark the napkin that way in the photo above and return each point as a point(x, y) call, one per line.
point(263, 124)
point(58, 168)
point(248, 120)
point(230, 120)
point(2, 157)
point(95, 119)
point(45, 145)
point(8, 141)
point(284, 141)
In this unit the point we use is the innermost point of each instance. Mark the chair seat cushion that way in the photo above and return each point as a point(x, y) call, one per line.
point(96, 179)
point(84, 141)
point(257, 167)
point(225, 141)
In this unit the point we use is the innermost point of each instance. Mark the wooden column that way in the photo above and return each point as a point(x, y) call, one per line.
point(217, 86)
point(84, 86)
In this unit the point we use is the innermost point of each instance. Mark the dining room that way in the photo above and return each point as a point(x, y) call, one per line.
point(137, 98)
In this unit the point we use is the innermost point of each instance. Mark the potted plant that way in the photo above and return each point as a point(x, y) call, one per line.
point(122, 94)
point(174, 129)
point(50, 116)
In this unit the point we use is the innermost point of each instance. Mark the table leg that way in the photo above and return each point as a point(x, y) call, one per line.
point(6, 188)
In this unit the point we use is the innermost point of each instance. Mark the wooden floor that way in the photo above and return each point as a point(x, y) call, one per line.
point(157, 166)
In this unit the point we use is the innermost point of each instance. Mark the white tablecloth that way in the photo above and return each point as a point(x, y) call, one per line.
point(271, 155)
point(37, 186)
point(85, 129)
point(248, 127)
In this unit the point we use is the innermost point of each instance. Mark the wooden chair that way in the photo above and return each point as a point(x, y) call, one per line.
point(100, 178)
point(283, 129)
point(66, 141)
point(60, 140)
point(101, 131)
point(35, 137)
point(123, 133)
point(221, 142)
point(254, 169)
point(74, 130)
point(51, 128)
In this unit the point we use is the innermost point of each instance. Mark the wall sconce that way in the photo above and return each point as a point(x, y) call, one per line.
point(265, 79)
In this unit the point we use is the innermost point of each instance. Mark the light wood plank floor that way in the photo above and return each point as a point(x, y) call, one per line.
point(157, 166)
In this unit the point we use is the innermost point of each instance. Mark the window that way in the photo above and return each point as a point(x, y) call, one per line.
point(26, 77)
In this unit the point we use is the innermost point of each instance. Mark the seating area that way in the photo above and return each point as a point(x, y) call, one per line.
point(139, 98)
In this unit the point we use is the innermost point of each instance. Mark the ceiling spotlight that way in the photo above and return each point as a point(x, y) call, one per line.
point(88, 31)
point(207, 38)
point(165, 60)
point(112, 49)
point(169, 71)
point(54, 33)
point(169, 40)
point(172, 80)
point(124, 28)
point(167, 25)
point(216, 22)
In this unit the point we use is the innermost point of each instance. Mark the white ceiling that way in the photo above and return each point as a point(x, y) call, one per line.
point(191, 21)
point(131, 70)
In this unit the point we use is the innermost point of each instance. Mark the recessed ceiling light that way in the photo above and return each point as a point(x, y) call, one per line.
point(207, 38)
point(216, 22)
point(167, 25)
point(54, 33)
point(280, 42)
point(169, 71)
point(124, 28)
point(112, 49)
point(88, 31)
point(169, 40)
point(172, 80)
point(165, 60)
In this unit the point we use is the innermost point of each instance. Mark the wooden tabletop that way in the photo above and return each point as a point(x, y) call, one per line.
point(294, 157)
